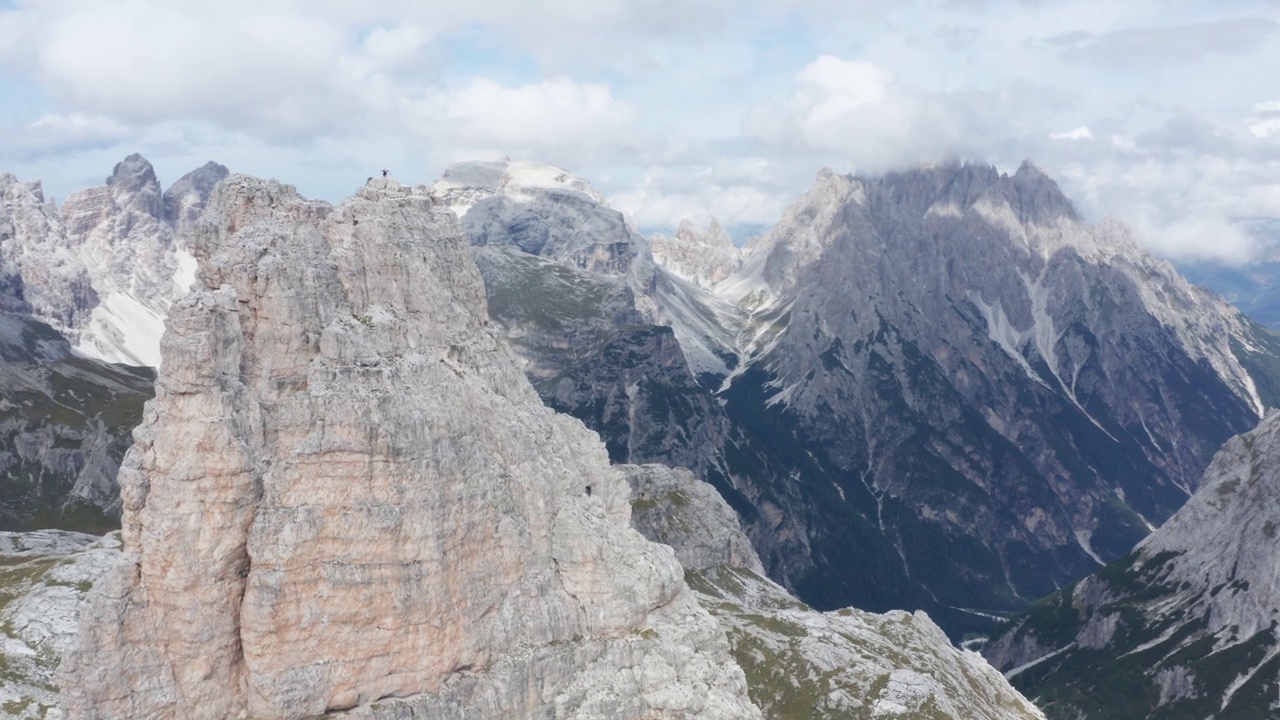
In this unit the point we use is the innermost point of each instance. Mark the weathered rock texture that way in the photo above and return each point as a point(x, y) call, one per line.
point(629, 348)
point(1187, 626)
point(345, 491)
point(946, 368)
point(806, 664)
point(44, 577)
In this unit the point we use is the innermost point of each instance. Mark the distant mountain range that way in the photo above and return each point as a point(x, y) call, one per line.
point(945, 368)
point(936, 389)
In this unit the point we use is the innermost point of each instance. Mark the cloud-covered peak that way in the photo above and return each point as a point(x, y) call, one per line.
point(463, 184)
point(1153, 110)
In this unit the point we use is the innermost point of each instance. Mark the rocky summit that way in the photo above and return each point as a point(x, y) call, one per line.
point(949, 369)
point(1186, 626)
point(346, 497)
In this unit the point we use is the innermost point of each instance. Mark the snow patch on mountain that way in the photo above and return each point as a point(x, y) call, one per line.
point(105, 267)
point(124, 329)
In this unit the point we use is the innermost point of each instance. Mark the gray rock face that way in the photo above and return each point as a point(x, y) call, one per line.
point(940, 360)
point(346, 497)
point(104, 268)
point(630, 349)
point(543, 211)
point(944, 367)
point(672, 507)
point(803, 663)
point(186, 199)
point(47, 275)
point(44, 576)
point(984, 394)
point(509, 209)
point(1186, 625)
point(703, 257)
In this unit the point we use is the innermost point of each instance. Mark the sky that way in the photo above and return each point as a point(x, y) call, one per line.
point(1164, 113)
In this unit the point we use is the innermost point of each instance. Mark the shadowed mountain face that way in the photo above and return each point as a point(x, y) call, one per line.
point(937, 389)
point(1183, 627)
point(946, 390)
point(65, 424)
point(980, 392)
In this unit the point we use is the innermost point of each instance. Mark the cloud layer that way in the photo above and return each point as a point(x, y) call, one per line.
point(1163, 112)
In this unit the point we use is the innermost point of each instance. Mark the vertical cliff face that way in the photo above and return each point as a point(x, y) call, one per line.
point(986, 395)
point(345, 491)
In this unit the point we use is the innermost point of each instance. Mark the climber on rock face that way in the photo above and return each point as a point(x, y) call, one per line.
point(385, 172)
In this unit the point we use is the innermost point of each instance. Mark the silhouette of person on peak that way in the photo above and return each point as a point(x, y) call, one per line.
point(385, 172)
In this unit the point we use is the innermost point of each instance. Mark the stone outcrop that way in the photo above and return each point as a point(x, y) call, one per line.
point(801, 663)
point(44, 576)
point(345, 496)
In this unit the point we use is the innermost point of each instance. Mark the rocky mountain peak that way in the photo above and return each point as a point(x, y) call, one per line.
point(186, 198)
point(702, 257)
point(133, 174)
point(772, 263)
point(1037, 197)
point(949, 295)
point(714, 235)
point(543, 210)
point(464, 184)
point(529, 178)
point(134, 182)
point(345, 492)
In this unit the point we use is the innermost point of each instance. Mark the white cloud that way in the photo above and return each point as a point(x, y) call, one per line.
point(62, 133)
point(1265, 119)
point(724, 107)
point(549, 114)
point(1167, 44)
point(1080, 133)
point(746, 192)
point(858, 113)
point(147, 61)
